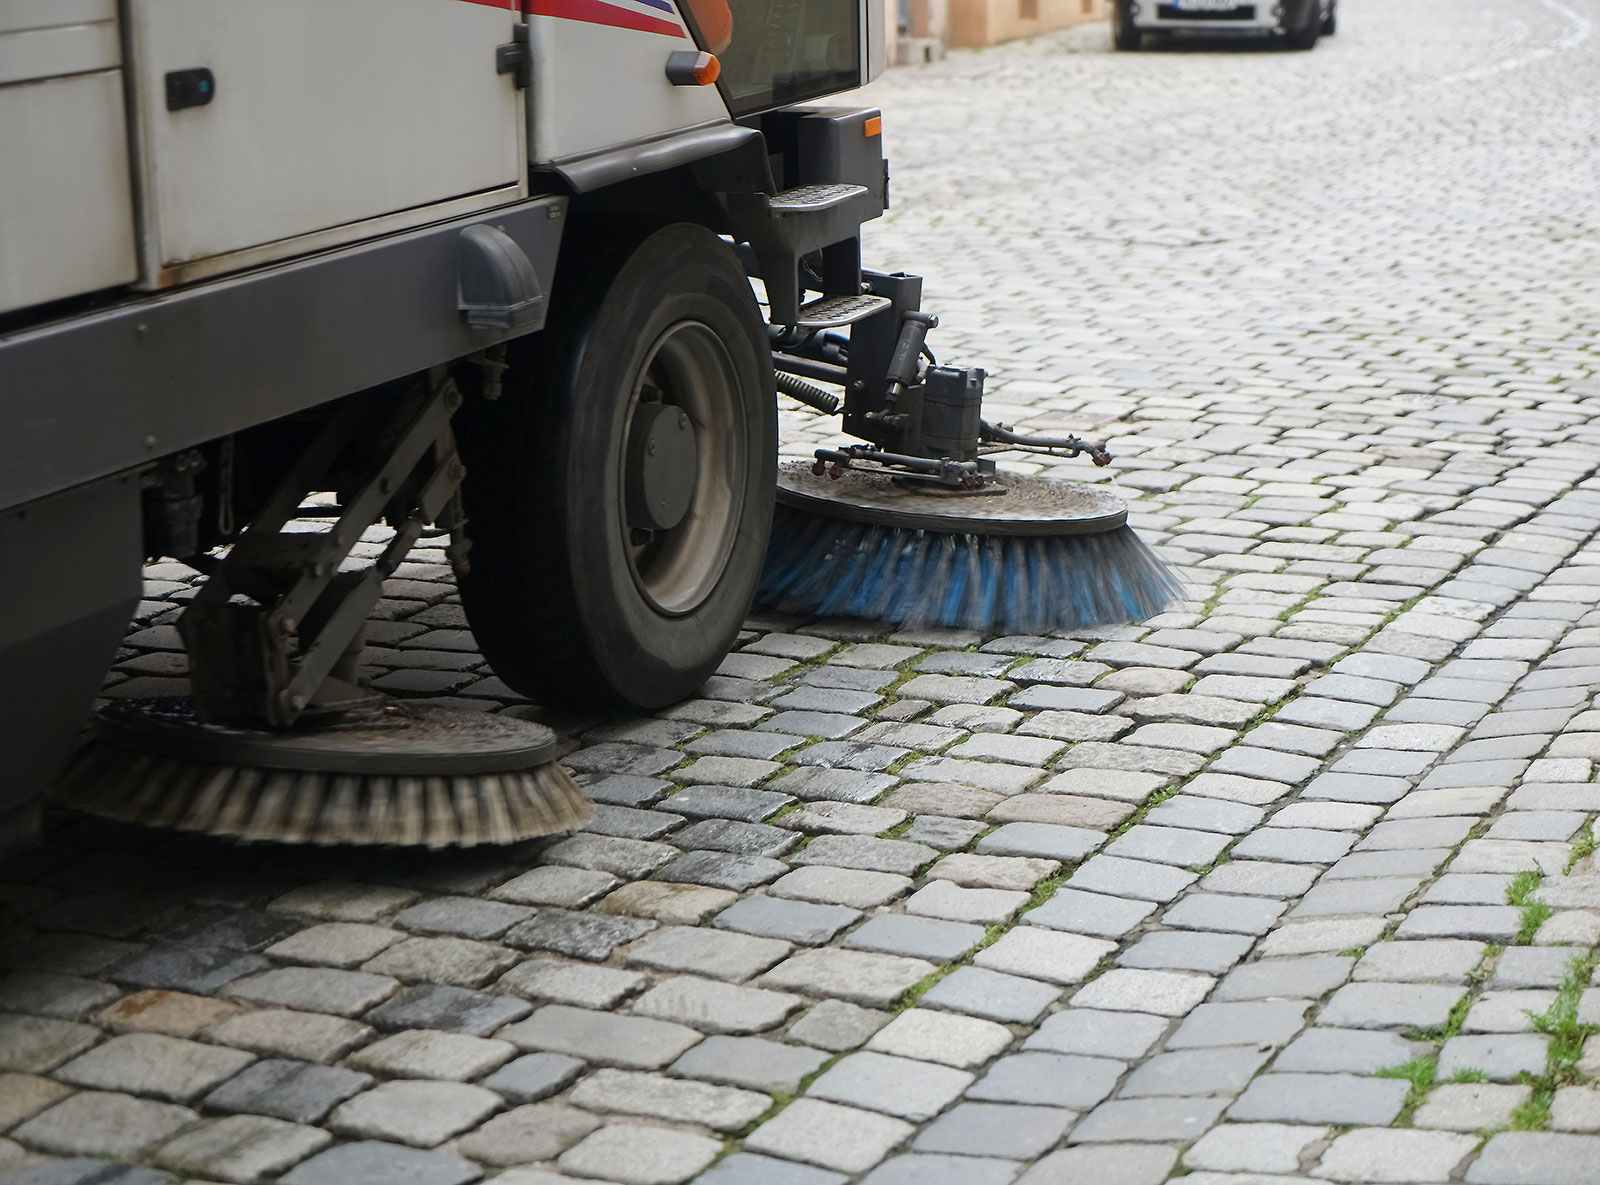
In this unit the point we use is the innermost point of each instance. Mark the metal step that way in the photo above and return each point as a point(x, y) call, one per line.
point(827, 312)
point(807, 199)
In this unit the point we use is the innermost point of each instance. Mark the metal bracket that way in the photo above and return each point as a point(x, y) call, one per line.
point(967, 476)
point(516, 57)
point(275, 624)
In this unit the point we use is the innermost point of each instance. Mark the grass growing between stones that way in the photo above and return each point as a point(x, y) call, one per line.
point(1450, 1028)
point(1484, 971)
point(1042, 892)
point(991, 935)
point(1420, 1073)
point(1145, 808)
point(1534, 1113)
point(909, 997)
point(1207, 869)
point(1534, 913)
point(1045, 889)
point(1583, 846)
point(1567, 1035)
point(780, 1100)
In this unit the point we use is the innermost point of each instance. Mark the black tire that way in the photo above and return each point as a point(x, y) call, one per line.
point(1125, 34)
point(1330, 23)
point(1304, 35)
point(570, 600)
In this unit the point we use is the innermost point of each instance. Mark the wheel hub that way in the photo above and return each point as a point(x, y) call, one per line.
point(678, 469)
point(663, 462)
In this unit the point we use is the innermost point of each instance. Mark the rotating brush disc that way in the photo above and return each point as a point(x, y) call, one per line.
point(402, 774)
point(1025, 555)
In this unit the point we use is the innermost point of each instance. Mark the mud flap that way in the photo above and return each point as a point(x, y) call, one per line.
point(74, 583)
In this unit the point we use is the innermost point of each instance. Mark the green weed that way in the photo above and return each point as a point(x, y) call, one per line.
point(1420, 1073)
point(1534, 1114)
point(1534, 913)
point(1583, 846)
point(1522, 885)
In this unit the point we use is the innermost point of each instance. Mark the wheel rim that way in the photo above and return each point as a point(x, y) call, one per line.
point(677, 568)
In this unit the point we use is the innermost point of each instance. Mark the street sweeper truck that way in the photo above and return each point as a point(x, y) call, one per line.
point(278, 281)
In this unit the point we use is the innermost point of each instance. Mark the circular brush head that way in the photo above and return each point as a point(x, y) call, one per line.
point(1025, 554)
point(1011, 504)
point(402, 774)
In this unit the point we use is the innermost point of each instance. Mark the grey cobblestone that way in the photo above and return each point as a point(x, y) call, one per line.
point(299, 1092)
point(835, 1025)
point(368, 1162)
point(993, 995)
point(636, 1155)
point(844, 1138)
point(102, 1124)
point(857, 977)
point(749, 1062)
point(241, 1148)
point(1320, 1098)
point(422, 1114)
point(602, 1037)
point(166, 1068)
point(1162, 1119)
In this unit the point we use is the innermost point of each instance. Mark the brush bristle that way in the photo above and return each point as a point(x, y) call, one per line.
point(280, 806)
point(825, 567)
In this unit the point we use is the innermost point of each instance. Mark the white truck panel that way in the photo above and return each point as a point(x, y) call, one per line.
point(53, 48)
point(325, 115)
point(65, 189)
point(599, 86)
point(20, 15)
point(68, 224)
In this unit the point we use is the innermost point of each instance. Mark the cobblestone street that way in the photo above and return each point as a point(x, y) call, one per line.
point(1293, 882)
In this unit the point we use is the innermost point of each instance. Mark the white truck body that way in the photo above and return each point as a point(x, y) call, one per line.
point(328, 123)
point(66, 198)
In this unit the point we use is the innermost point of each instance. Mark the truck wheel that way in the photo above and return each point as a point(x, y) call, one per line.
point(1304, 35)
point(1124, 33)
point(619, 492)
point(1330, 23)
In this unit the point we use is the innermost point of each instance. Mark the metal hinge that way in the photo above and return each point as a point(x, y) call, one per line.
point(516, 57)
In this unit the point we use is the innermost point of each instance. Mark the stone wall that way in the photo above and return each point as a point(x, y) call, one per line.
point(989, 22)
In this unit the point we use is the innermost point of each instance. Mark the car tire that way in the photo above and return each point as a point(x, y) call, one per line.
point(1125, 34)
point(1330, 23)
point(1303, 36)
point(579, 586)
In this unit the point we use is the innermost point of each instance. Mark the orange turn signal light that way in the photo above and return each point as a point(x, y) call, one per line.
point(689, 67)
point(873, 126)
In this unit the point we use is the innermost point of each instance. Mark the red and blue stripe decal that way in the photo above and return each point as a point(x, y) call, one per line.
point(647, 16)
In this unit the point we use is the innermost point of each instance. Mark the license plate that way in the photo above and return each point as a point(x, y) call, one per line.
point(1207, 5)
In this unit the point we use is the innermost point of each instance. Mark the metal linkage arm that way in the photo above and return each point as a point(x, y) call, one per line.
point(1069, 446)
point(264, 596)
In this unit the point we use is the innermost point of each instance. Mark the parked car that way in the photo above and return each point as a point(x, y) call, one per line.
point(1300, 22)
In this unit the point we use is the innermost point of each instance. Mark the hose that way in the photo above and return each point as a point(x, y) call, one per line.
point(814, 397)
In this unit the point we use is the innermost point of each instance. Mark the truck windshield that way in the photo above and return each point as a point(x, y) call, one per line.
point(776, 52)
